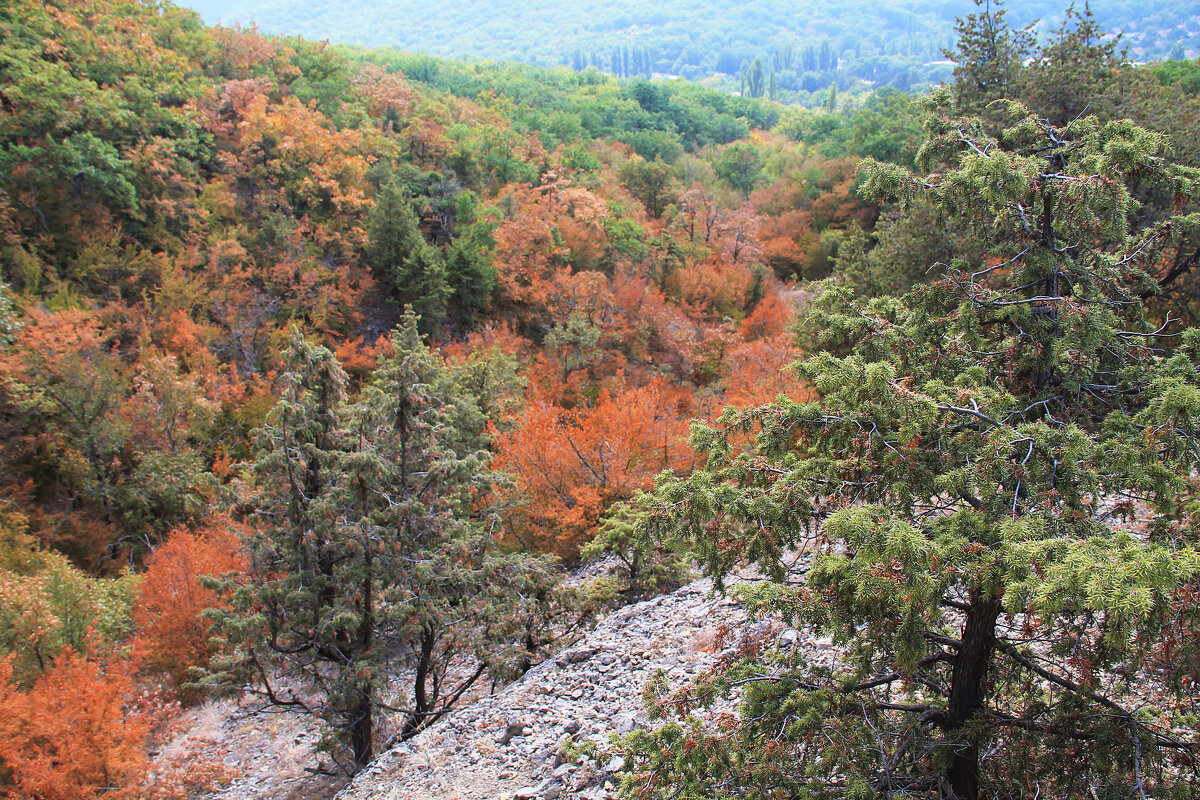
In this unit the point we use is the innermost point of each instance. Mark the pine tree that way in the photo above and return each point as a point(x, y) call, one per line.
point(398, 252)
point(962, 481)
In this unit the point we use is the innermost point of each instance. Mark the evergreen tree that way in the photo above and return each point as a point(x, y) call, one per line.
point(471, 277)
point(963, 480)
point(1076, 71)
point(989, 58)
point(367, 549)
point(831, 102)
point(809, 59)
point(399, 254)
point(756, 79)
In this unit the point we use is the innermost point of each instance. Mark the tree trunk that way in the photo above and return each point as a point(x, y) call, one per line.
point(362, 732)
point(421, 700)
point(362, 727)
point(967, 689)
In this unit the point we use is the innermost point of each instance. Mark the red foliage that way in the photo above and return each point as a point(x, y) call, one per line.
point(70, 736)
point(571, 465)
point(171, 635)
point(386, 95)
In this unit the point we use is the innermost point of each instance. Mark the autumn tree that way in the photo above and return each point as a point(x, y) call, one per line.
point(70, 737)
point(114, 439)
point(963, 482)
point(173, 632)
point(571, 465)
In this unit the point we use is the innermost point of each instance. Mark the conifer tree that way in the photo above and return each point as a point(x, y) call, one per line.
point(756, 79)
point(989, 57)
point(1076, 71)
point(996, 485)
point(400, 255)
point(367, 549)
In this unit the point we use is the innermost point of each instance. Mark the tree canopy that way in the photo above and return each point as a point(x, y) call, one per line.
point(995, 485)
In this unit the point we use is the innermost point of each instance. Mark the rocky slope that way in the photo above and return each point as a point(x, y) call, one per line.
point(507, 745)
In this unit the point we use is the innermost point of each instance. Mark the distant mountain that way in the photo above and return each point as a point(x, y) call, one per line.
point(877, 40)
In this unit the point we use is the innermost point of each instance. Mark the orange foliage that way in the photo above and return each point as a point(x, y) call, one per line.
point(786, 241)
point(359, 358)
point(715, 287)
point(498, 335)
point(813, 195)
point(756, 373)
point(769, 318)
point(572, 465)
point(70, 736)
point(171, 634)
point(530, 246)
point(321, 168)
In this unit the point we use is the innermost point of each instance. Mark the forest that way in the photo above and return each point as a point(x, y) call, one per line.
point(322, 367)
point(802, 48)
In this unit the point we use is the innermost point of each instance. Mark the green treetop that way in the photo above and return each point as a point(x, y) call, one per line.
point(963, 482)
point(400, 255)
point(989, 57)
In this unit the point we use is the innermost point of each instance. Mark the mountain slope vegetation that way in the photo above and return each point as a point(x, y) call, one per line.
point(318, 365)
point(807, 46)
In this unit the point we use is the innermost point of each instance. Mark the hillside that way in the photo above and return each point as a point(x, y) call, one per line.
point(514, 744)
point(342, 388)
point(808, 45)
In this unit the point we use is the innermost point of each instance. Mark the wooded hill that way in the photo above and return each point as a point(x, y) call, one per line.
point(319, 364)
point(807, 46)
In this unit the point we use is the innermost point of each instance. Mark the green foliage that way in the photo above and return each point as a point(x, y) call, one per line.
point(644, 567)
point(370, 547)
point(470, 276)
point(1077, 71)
point(47, 605)
point(414, 268)
point(1185, 74)
point(805, 46)
point(740, 165)
point(652, 182)
point(993, 624)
